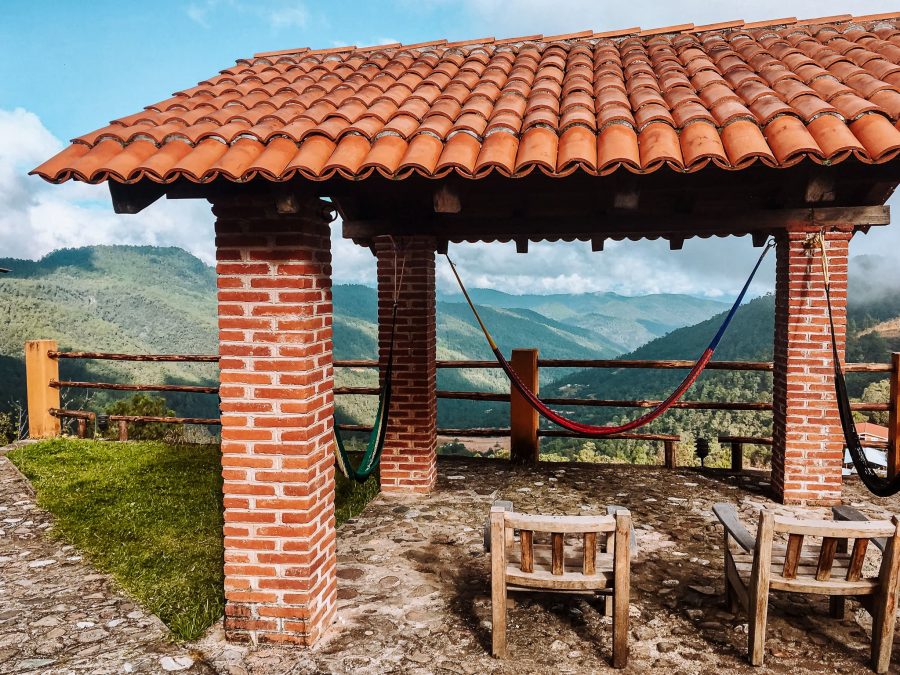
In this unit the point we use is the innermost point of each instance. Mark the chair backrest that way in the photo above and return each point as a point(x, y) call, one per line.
point(830, 565)
point(545, 564)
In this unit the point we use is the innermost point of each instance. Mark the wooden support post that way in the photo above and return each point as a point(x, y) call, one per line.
point(669, 454)
point(498, 582)
point(82, 427)
point(893, 453)
point(39, 370)
point(737, 456)
point(123, 430)
point(523, 419)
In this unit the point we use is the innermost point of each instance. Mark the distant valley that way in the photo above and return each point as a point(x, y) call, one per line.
point(157, 300)
point(144, 299)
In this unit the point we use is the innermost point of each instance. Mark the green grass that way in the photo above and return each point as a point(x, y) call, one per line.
point(150, 514)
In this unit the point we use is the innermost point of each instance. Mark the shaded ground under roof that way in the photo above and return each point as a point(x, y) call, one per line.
point(414, 592)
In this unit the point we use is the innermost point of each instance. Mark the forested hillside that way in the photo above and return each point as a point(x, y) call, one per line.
point(749, 338)
point(144, 299)
point(162, 300)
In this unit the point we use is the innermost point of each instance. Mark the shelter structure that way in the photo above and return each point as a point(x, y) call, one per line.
point(781, 129)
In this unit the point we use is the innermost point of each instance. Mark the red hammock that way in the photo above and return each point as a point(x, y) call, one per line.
point(595, 431)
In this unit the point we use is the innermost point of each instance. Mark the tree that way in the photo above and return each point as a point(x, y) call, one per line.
point(145, 405)
point(877, 392)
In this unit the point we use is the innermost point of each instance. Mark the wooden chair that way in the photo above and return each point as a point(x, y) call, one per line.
point(530, 552)
point(754, 566)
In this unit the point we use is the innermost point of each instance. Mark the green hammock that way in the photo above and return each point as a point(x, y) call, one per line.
point(372, 455)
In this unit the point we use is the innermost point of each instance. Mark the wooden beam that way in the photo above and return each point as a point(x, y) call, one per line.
point(131, 199)
point(594, 226)
point(676, 243)
point(521, 245)
point(597, 244)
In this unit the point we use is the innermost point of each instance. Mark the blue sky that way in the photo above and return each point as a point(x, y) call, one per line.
point(70, 67)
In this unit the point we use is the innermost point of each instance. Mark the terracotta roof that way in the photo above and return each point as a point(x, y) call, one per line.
point(680, 97)
point(869, 429)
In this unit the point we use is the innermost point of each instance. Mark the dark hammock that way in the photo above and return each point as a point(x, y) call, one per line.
point(372, 455)
point(877, 485)
point(594, 431)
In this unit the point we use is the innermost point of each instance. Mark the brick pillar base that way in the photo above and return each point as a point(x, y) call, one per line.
point(808, 444)
point(274, 278)
point(409, 460)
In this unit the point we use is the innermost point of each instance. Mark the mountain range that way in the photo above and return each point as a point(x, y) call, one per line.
point(162, 300)
point(145, 299)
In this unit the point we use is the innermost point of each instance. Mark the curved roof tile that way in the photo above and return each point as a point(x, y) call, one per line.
point(681, 97)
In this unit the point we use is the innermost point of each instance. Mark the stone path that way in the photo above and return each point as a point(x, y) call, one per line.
point(414, 595)
point(57, 614)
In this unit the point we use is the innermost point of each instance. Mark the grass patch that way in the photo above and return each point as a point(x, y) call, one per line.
point(149, 514)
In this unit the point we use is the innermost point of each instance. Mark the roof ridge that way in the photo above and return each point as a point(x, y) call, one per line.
point(590, 34)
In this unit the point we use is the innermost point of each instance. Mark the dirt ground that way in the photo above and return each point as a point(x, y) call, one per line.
point(414, 591)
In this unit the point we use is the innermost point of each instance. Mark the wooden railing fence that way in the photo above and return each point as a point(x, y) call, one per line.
point(43, 356)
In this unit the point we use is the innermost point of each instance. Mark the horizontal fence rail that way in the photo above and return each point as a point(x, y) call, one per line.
point(54, 384)
point(106, 356)
point(115, 386)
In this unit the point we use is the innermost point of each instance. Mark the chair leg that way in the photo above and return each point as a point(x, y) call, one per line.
point(731, 599)
point(619, 601)
point(883, 621)
point(885, 603)
point(498, 616)
point(837, 607)
point(759, 608)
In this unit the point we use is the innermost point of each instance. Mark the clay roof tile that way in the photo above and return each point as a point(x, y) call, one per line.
point(681, 97)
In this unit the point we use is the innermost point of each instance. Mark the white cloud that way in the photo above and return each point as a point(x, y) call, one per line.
point(288, 17)
point(199, 12)
point(279, 14)
point(708, 268)
point(37, 218)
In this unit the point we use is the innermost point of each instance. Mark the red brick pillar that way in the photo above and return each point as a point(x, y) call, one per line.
point(409, 462)
point(274, 278)
point(807, 452)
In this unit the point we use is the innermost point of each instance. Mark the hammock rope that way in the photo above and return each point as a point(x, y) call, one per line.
point(877, 485)
point(595, 431)
point(375, 445)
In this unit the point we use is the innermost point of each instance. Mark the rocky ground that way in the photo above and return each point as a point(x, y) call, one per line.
point(414, 593)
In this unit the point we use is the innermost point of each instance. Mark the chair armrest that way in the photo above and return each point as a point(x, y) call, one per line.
point(507, 506)
point(735, 529)
point(849, 513)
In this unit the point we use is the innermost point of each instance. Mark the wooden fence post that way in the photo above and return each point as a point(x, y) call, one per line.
point(523, 418)
point(123, 430)
point(893, 451)
point(737, 456)
point(39, 370)
point(669, 454)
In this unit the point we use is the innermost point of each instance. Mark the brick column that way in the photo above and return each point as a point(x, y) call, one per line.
point(808, 443)
point(409, 462)
point(275, 329)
